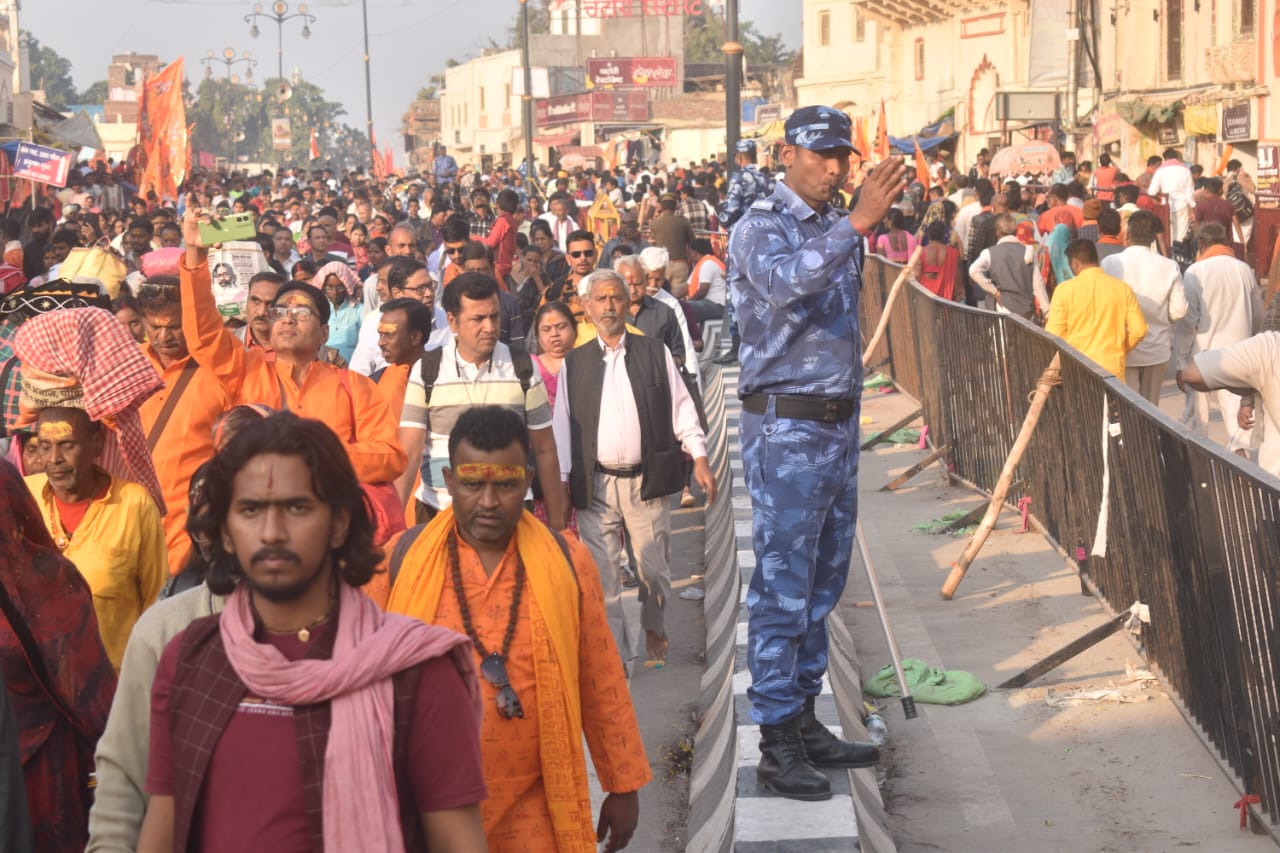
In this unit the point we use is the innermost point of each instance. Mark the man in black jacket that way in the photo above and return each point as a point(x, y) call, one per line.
point(629, 416)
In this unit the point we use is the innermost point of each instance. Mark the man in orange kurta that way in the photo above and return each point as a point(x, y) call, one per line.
point(296, 379)
point(184, 441)
point(533, 606)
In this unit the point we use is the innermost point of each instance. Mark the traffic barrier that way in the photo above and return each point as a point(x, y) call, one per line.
point(1190, 531)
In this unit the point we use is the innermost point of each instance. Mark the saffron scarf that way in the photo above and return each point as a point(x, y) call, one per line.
point(553, 614)
point(370, 647)
point(1216, 251)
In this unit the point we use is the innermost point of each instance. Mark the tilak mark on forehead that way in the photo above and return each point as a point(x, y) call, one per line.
point(490, 472)
point(56, 431)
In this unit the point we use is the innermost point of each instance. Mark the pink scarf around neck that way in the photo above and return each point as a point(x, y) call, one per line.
point(370, 647)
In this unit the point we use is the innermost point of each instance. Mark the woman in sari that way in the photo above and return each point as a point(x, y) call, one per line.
point(896, 245)
point(936, 269)
point(55, 669)
point(555, 331)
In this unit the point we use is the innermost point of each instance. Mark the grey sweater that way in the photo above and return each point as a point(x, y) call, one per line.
point(120, 801)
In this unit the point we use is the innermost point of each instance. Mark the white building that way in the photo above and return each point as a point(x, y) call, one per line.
point(479, 114)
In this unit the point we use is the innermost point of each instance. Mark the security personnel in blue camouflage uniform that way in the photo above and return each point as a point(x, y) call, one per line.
point(747, 185)
point(795, 282)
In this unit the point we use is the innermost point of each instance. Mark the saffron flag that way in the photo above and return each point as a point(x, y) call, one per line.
point(315, 146)
point(882, 135)
point(377, 166)
point(162, 125)
point(860, 138)
point(922, 168)
point(389, 161)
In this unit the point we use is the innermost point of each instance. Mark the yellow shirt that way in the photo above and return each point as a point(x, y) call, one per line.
point(1098, 315)
point(119, 548)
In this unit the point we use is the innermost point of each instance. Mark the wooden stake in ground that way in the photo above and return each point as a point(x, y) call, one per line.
point(898, 283)
point(1051, 377)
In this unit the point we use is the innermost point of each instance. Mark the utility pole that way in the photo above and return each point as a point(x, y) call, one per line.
point(368, 86)
point(732, 82)
point(526, 101)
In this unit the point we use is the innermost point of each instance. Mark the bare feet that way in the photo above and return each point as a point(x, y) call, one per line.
point(657, 645)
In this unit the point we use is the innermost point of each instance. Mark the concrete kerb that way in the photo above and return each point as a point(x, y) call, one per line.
point(712, 784)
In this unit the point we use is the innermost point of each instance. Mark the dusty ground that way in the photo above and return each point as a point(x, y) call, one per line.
point(1008, 772)
point(665, 699)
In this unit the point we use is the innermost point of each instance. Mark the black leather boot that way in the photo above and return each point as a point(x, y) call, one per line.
point(826, 750)
point(784, 769)
point(730, 355)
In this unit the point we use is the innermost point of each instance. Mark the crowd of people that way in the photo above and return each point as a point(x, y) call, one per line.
point(367, 529)
point(1146, 277)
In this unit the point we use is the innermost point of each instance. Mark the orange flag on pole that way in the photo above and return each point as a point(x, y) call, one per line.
point(389, 161)
point(860, 138)
point(163, 129)
point(377, 166)
point(315, 146)
point(882, 135)
point(922, 167)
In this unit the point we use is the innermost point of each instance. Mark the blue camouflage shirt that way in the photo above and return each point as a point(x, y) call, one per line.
point(795, 282)
point(746, 186)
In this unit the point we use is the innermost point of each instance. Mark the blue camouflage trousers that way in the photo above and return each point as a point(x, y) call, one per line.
point(802, 476)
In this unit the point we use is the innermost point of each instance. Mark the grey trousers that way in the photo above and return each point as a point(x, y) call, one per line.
point(1147, 381)
point(616, 506)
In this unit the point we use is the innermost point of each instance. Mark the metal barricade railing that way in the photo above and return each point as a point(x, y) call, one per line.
point(1193, 531)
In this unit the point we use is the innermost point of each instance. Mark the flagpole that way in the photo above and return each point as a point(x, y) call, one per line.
point(732, 50)
point(368, 82)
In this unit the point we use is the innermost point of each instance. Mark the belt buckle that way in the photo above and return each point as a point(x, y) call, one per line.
point(832, 412)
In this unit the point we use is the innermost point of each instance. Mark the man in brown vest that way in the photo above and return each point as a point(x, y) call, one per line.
point(302, 716)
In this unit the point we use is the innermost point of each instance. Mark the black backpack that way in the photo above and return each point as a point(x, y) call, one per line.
point(520, 359)
point(1239, 201)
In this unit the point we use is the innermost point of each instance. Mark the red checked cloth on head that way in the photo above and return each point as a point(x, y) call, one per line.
point(344, 274)
point(91, 348)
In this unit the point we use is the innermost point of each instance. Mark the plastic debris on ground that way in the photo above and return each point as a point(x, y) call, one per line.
point(876, 382)
point(1133, 688)
point(693, 593)
point(937, 527)
point(902, 436)
point(927, 684)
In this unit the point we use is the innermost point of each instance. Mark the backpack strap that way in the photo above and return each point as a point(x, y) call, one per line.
point(398, 553)
point(162, 420)
point(523, 363)
point(5, 374)
point(430, 370)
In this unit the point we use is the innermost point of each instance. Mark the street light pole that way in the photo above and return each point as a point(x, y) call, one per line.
point(526, 100)
point(732, 82)
point(368, 85)
point(280, 13)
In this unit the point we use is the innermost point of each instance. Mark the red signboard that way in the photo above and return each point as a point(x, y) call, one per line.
point(593, 106)
point(653, 72)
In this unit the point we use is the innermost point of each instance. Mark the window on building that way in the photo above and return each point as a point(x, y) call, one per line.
point(1173, 39)
point(919, 52)
point(824, 28)
point(482, 98)
point(859, 25)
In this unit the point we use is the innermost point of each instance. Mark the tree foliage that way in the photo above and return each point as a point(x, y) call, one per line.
point(234, 118)
point(95, 94)
point(704, 38)
point(539, 22)
point(51, 72)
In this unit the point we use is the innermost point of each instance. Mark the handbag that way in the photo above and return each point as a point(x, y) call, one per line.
point(99, 262)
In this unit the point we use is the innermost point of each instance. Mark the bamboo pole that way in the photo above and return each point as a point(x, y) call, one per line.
point(1051, 377)
point(902, 279)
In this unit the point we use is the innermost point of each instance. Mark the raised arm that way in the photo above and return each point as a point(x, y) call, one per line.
point(210, 343)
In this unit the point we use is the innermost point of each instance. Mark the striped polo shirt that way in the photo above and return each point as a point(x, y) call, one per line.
point(459, 386)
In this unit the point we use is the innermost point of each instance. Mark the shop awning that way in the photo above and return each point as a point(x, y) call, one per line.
point(1141, 112)
point(555, 140)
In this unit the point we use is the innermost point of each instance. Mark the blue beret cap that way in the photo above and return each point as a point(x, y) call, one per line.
point(745, 146)
point(819, 129)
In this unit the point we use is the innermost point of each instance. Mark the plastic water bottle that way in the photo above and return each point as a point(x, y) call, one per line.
point(877, 731)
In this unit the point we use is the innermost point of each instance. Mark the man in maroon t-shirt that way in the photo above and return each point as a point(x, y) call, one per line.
point(303, 716)
point(1212, 207)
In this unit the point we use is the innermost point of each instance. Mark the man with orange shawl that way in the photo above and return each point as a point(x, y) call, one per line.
point(532, 605)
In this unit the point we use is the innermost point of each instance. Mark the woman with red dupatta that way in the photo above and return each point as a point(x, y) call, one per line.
point(939, 262)
point(57, 673)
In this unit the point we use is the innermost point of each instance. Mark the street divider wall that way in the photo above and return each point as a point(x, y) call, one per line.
point(1189, 530)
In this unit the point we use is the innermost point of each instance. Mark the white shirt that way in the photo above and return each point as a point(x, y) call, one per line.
point(1156, 283)
point(1173, 179)
point(711, 283)
point(1252, 363)
point(690, 355)
point(618, 435)
point(964, 217)
point(367, 359)
point(1224, 306)
point(560, 229)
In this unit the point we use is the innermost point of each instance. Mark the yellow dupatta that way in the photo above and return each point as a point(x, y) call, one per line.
point(554, 611)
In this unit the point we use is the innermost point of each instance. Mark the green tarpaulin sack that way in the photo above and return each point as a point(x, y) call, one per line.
point(934, 686)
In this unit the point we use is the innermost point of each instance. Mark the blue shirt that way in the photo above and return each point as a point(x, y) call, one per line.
point(746, 186)
point(344, 327)
point(795, 282)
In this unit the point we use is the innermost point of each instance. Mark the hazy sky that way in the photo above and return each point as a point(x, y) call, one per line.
point(408, 41)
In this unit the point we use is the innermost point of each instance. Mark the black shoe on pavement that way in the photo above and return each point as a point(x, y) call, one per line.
point(826, 750)
point(784, 768)
point(730, 355)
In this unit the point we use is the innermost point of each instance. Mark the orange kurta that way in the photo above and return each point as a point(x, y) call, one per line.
point(185, 444)
point(347, 402)
point(517, 816)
